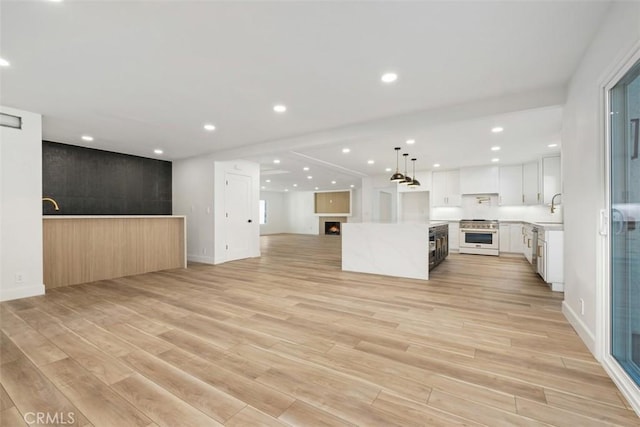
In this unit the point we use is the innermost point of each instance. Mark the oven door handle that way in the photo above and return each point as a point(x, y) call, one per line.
point(478, 231)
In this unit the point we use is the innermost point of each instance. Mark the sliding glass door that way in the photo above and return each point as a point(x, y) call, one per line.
point(625, 222)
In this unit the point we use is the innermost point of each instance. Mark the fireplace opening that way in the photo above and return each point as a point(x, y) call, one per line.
point(332, 228)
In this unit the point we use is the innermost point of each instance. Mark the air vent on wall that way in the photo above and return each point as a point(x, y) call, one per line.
point(10, 121)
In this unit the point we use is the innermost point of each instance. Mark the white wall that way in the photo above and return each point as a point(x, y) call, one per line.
point(300, 207)
point(583, 146)
point(21, 207)
point(198, 193)
point(277, 214)
point(293, 212)
point(193, 196)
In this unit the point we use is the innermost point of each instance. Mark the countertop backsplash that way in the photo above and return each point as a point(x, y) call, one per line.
point(485, 206)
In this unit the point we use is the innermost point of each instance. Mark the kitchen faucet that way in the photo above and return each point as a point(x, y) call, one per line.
point(49, 199)
point(553, 205)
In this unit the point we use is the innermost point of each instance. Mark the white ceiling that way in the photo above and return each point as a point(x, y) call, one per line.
point(141, 75)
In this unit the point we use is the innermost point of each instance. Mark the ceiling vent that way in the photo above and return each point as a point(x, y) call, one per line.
point(10, 121)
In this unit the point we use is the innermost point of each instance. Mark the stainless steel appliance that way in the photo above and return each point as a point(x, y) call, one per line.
point(479, 236)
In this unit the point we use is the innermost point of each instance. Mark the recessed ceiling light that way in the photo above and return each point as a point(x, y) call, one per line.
point(552, 145)
point(263, 187)
point(389, 77)
point(276, 161)
point(158, 151)
point(87, 138)
point(346, 150)
point(309, 177)
point(495, 160)
point(411, 141)
point(4, 62)
point(387, 170)
point(209, 127)
point(317, 188)
point(306, 168)
point(497, 129)
point(286, 189)
point(268, 180)
point(333, 182)
point(279, 108)
point(371, 162)
point(496, 148)
point(436, 165)
point(352, 186)
point(55, 1)
point(295, 185)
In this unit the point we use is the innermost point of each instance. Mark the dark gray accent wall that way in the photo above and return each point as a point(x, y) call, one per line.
point(86, 181)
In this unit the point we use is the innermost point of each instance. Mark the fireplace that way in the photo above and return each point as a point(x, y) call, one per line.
point(331, 225)
point(332, 228)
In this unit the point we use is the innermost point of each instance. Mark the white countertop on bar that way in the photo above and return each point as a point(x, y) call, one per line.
point(109, 216)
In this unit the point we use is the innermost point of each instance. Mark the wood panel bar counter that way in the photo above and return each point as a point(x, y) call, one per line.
point(80, 249)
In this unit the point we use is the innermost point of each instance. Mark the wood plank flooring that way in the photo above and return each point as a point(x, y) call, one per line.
point(290, 339)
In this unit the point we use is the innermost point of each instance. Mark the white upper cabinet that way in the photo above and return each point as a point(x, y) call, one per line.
point(530, 184)
point(480, 180)
point(445, 188)
point(510, 185)
point(551, 178)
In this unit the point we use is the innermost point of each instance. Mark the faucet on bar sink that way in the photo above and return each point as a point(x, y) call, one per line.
point(553, 202)
point(49, 199)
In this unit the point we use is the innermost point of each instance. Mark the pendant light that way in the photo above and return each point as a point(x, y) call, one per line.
point(407, 179)
point(396, 177)
point(414, 182)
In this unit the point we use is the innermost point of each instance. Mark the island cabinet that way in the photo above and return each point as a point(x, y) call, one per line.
point(446, 188)
point(373, 248)
point(438, 244)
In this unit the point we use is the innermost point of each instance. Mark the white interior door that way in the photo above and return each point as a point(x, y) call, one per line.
point(239, 219)
point(385, 207)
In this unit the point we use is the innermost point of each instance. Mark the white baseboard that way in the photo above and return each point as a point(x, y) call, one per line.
point(626, 386)
point(201, 259)
point(583, 331)
point(21, 292)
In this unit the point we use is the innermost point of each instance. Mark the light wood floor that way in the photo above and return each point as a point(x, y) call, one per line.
point(290, 339)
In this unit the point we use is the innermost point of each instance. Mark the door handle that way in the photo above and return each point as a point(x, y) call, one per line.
point(249, 220)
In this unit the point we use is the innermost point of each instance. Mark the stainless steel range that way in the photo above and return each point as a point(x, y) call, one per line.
point(479, 236)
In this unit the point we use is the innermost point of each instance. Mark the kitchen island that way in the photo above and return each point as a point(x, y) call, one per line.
point(80, 249)
point(399, 250)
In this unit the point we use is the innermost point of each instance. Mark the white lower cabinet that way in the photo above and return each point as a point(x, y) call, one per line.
point(454, 236)
point(511, 238)
point(527, 242)
point(550, 258)
point(515, 241)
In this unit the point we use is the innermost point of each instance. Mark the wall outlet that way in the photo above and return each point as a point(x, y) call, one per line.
point(19, 278)
point(581, 306)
